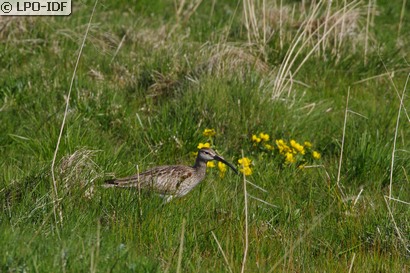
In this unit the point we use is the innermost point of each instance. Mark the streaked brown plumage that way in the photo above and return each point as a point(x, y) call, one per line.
point(171, 181)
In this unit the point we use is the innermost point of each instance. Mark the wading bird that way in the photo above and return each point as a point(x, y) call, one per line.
point(171, 181)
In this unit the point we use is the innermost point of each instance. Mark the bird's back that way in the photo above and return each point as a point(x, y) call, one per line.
point(165, 180)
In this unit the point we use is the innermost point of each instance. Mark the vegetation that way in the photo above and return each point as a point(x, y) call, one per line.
point(152, 81)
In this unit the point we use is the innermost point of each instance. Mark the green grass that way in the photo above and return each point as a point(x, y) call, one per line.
point(146, 101)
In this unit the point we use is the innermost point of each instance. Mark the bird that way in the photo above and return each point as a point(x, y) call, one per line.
point(171, 181)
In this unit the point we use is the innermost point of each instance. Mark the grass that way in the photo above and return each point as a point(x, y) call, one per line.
point(150, 79)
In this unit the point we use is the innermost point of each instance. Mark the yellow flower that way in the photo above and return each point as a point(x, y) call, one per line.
point(209, 132)
point(280, 142)
point(245, 162)
point(289, 158)
point(256, 139)
point(283, 148)
point(210, 164)
point(316, 155)
point(269, 147)
point(264, 137)
point(222, 169)
point(246, 171)
point(299, 148)
point(204, 145)
point(308, 144)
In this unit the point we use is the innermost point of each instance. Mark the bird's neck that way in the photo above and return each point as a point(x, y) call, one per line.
point(200, 166)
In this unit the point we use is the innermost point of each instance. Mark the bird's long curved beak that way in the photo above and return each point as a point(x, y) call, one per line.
point(221, 159)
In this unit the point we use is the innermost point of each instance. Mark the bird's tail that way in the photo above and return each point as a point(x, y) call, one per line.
point(121, 183)
point(110, 183)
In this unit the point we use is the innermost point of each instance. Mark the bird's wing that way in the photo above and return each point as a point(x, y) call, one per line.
point(166, 179)
point(163, 179)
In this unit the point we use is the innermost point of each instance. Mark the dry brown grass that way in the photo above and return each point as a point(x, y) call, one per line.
point(324, 30)
point(101, 40)
point(164, 84)
point(79, 171)
point(313, 20)
point(348, 28)
point(224, 60)
point(12, 28)
point(147, 36)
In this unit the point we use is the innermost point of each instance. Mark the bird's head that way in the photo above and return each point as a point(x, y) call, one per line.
point(207, 154)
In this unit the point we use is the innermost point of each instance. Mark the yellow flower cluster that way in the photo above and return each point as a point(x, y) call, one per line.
point(296, 152)
point(262, 137)
point(268, 147)
point(245, 164)
point(256, 139)
point(282, 146)
point(204, 145)
point(316, 155)
point(292, 152)
point(221, 167)
point(209, 132)
point(297, 147)
point(210, 164)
